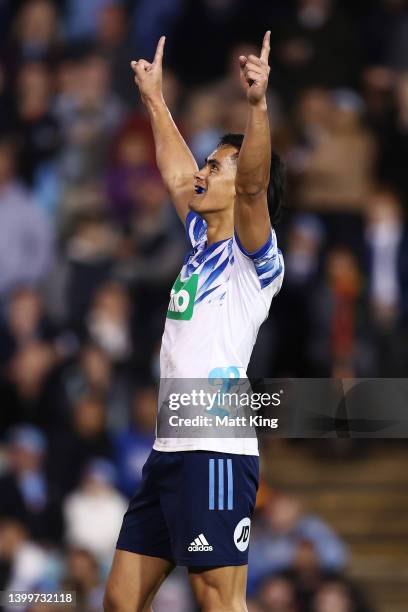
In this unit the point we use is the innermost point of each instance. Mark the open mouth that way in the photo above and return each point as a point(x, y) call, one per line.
point(199, 190)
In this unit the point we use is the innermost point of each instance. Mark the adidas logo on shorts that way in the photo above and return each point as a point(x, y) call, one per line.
point(200, 544)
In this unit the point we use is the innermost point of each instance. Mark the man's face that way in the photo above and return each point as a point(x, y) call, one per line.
point(215, 182)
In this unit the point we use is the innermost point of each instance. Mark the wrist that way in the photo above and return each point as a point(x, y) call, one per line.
point(260, 105)
point(154, 102)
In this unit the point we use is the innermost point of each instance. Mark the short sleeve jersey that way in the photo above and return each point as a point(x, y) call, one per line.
point(217, 305)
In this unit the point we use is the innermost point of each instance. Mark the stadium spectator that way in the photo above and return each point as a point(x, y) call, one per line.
point(344, 345)
point(25, 321)
point(88, 120)
point(82, 576)
point(7, 110)
point(306, 571)
point(85, 437)
point(380, 28)
point(338, 595)
point(93, 513)
point(333, 162)
point(158, 247)
point(93, 373)
point(26, 492)
point(133, 445)
point(202, 121)
point(113, 39)
point(23, 563)
point(387, 254)
point(213, 17)
point(88, 259)
point(396, 45)
point(35, 35)
point(38, 127)
point(305, 241)
point(394, 141)
point(281, 526)
point(316, 45)
point(26, 239)
point(150, 20)
point(81, 19)
point(378, 84)
point(108, 322)
point(277, 594)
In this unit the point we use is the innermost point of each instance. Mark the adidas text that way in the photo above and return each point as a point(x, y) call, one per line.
point(200, 544)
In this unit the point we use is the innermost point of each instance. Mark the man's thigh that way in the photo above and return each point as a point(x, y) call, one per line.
point(133, 581)
point(219, 589)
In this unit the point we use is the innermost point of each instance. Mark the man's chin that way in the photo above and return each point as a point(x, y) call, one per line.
point(198, 203)
point(203, 204)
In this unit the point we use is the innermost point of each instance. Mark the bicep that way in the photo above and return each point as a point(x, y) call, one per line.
point(251, 220)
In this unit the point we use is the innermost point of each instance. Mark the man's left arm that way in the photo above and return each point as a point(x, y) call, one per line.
point(251, 216)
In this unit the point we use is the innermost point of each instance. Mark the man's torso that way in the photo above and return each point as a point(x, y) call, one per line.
point(217, 304)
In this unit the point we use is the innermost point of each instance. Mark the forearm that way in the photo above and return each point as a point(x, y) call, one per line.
point(255, 155)
point(174, 158)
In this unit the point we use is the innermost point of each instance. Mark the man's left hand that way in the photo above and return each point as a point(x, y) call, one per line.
point(255, 72)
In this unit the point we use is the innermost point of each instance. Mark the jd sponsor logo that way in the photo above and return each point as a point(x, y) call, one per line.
point(182, 298)
point(200, 544)
point(241, 534)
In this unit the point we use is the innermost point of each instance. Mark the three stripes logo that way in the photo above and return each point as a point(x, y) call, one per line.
point(200, 544)
point(221, 484)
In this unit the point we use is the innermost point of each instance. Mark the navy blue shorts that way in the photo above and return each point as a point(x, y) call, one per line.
point(193, 508)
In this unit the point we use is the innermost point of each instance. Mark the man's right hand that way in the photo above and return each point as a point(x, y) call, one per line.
point(174, 159)
point(148, 76)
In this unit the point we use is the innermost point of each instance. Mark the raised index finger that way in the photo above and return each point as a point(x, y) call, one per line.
point(266, 46)
point(158, 56)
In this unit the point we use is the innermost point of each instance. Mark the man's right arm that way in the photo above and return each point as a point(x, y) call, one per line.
point(174, 159)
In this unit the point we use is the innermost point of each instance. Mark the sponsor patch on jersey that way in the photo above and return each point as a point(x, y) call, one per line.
point(241, 534)
point(182, 298)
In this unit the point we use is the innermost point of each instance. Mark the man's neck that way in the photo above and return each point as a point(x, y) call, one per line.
point(220, 226)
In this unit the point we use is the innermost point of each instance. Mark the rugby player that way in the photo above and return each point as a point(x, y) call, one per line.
point(197, 495)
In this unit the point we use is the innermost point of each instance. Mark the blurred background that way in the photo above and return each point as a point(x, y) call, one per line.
point(90, 246)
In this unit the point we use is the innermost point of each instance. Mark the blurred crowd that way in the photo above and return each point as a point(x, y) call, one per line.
point(90, 246)
point(297, 562)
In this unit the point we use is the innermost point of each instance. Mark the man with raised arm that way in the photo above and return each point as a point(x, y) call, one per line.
point(197, 495)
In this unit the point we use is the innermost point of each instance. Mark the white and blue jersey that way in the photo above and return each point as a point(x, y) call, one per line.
point(217, 305)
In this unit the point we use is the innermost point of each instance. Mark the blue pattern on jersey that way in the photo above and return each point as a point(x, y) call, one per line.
point(195, 226)
point(204, 295)
point(214, 275)
point(268, 260)
point(214, 260)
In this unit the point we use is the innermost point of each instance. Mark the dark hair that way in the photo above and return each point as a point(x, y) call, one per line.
point(276, 187)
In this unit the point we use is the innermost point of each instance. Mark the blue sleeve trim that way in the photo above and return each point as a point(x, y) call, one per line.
point(258, 253)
